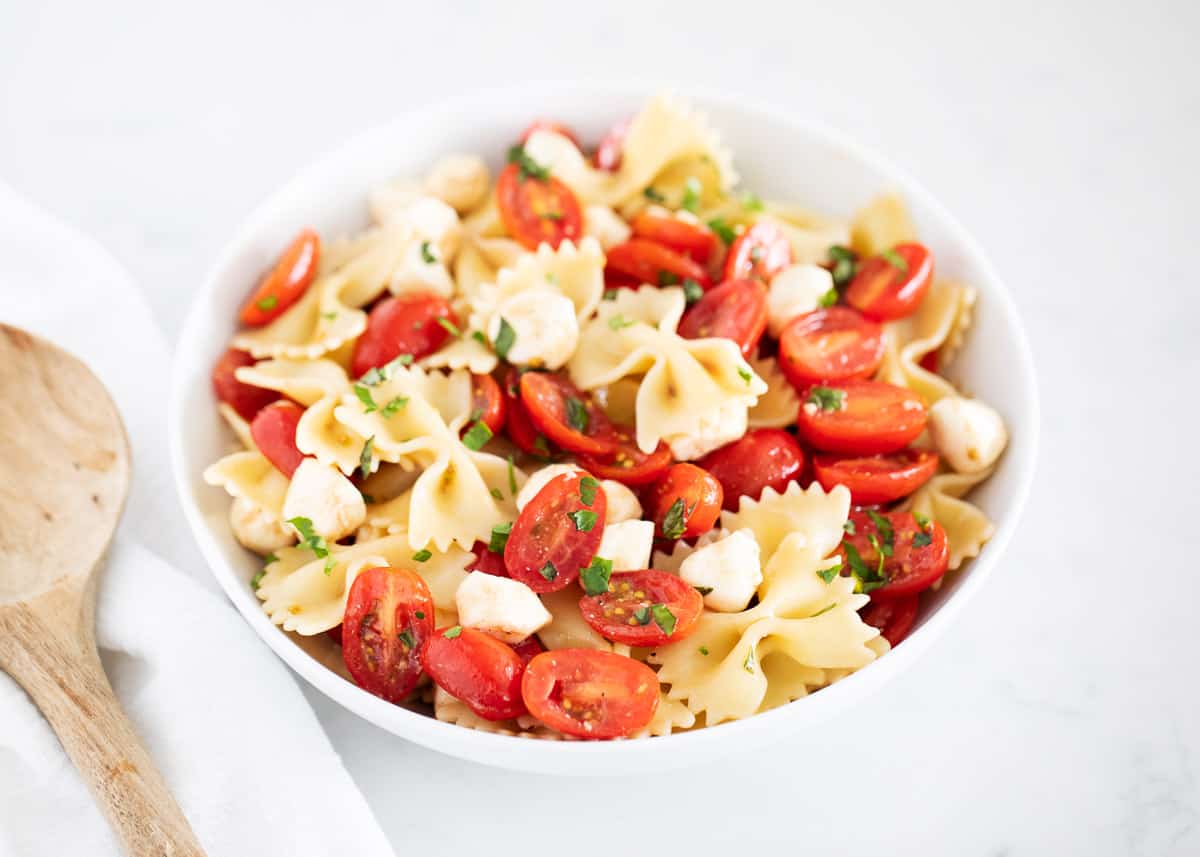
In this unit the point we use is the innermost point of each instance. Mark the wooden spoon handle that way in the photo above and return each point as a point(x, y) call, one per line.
point(59, 668)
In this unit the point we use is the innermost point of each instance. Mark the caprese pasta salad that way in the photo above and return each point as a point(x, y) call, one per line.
point(596, 443)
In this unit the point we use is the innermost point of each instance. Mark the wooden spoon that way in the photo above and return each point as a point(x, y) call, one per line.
point(64, 474)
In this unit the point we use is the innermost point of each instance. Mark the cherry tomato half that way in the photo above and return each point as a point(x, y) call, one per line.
point(286, 282)
point(762, 251)
point(556, 534)
point(834, 344)
point(685, 502)
point(551, 126)
point(487, 403)
point(608, 153)
point(760, 458)
point(894, 619)
point(537, 210)
point(649, 262)
point(627, 464)
point(876, 478)
point(736, 310)
point(529, 648)
point(919, 555)
point(892, 284)
point(389, 615)
point(517, 424)
point(860, 417)
point(695, 240)
point(402, 325)
point(590, 694)
point(246, 399)
point(486, 561)
point(644, 608)
point(477, 669)
point(274, 433)
point(564, 414)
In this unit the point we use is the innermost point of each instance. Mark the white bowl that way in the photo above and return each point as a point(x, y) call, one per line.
point(778, 155)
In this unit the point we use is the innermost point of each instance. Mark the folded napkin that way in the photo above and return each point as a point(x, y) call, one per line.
point(234, 737)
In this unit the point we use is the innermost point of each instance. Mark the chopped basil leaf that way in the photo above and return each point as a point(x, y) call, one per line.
point(703, 590)
point(378, 374)
point(751, 202)
point(895, 260)
point(552, 278)
point(420, 614)
point(329, 316)
point(551, 215)
point(668, 278)
point(478, 336)
point(692, 291)
point(691, 195)
point(749, 663)
point(653, 195)
point(477, 435)
point(329, 563)
point(577, 415)
point(426, 254)
point(828, 299)
point(587, 490)
point(922, 520)
point(367, 498)
point(703, 650)
point(364, 396)
point(827, 398)
point(610, 294)
point(675, 521)
point(309, 538)
point(617, 322)
point(268, 303)
point(921, 538)
point(848, 527)
point(270, 558)
point(505, 337)
point(512, 477)
point(866, 579)
point(499, 537)
point(448, 326)
point(828, 574)
point(595, 577)
point(723, 230)
point(451, 633)
point(529, 168)
point(886, 533)
point(548, 571)
point(389, 410)
point(745, 374)
point(838, 253)
point(663, 618)
point(367, 457)
point(406, 637)
point(642, 615)
point(542, 446)
point(585, 519)
point(256, 581)
point(496, 495)
point(823, 611)
point(422, 556)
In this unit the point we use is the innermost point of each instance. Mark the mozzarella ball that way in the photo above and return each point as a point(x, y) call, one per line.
point(257, 530)
point(544, 326)
point(460, 181)
point(539, 479)
point(794, 291)
point(605, 225)
point(627, 544)
point(623, 504)
point(730, 425)
point(322, 494)
point(505, 608)
point(968, 434)
point(728, 570)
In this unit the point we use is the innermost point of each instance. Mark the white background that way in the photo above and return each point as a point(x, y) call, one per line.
point(1061, 714)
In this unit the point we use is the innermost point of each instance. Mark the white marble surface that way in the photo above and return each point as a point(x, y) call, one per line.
point(1061, 715)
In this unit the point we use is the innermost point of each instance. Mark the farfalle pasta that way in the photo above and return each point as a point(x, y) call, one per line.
point(600, 445)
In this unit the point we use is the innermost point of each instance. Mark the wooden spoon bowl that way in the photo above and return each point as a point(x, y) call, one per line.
point(64, 475)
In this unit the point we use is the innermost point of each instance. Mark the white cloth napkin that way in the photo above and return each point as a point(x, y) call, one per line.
point(234, 737)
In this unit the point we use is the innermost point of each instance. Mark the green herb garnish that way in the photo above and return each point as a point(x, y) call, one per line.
point(828, 299)
point(548, 571)
point(703, 590)
point(512, 477)
point(675, 521)
point(745, 374)
point(528, 167)
point(367, 457)
point(663, 618)
point(823, 611)
point(866, 578)
point(477, 435)
point(406, 637)
point(448, 326)
point(427, 254)
point(828, 574)
point(642, 615)
point(921, 538)
point(749, 663)
point(595, 577)
point(422, 556)
point(499, 538)
point(691, 195)
point(692, 291)
point(364, 396)
point(389, 410)
point(827, 398)
point(849, 527)
point(505, 337)
point(610, 294)
point(668, 278)
point(452, 633)
point(587, 490)
point(723, 230)
point(886, 533)
point(577, 415)
point(618, 322)
point(256, 581)
point(895, 260)
point(585, 519)
point(844, 265)
point(268, 303)
point(653, 195)
point(309, 537)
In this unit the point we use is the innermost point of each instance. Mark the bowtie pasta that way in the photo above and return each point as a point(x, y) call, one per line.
point(603, 445)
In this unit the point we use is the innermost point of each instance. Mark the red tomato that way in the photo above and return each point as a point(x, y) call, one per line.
point(335, 634)
point(403, 325)
point(628, 464)
point(894, 619)
point(761, 251)
point(892, 284)
point(556, 534)
point(860, 417)
point(274, 433)
point(486, 561)
point(529, 648)
point(553, 127)
point(643, 608)
point(736, 310)
point(568, 417)
point(834, 344)
point(760, 458)
point(487, 403)
point(911, 568)
point(929, 362)
point(286, 282)
point(648, 262)
point(537, 210)
point(876, 478)
point(479, 670)
point(520, 428)
point(247, 400)
point(685, 502)
point(590, 694)
point(695, 240)
point(389, 615)
point(608, 153)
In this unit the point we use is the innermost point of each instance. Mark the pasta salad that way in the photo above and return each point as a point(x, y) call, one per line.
point(603, 445)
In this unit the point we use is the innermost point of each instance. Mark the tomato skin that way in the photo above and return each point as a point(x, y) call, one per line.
point(627, 464)
point(700, 492)
point(908, 570)
point(697, 241)
point(380, 622)
point(246, 399)
point(762, 251)
point(488, 402)
point(479, 670)
point(619, 694)
point(832, 344)
point(529, 648)
point(649, 262)
point(545, 396)
point(274, 433)
point(884, 292)
point(517, 423)
point(486, 561)
point(894, 619)
point(878, 478)
point(760, 458)
point(735, 310)
point(874, 418)
point(402, 325)
point(551, 126)
point(608, 153)
point(657, 587)
point(544, 535)
point(286, 282)
point(537, 211)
